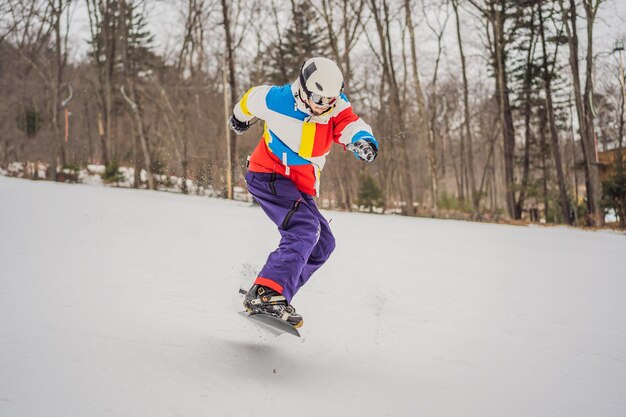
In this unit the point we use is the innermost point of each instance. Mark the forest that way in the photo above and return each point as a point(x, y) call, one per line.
point(491, 110)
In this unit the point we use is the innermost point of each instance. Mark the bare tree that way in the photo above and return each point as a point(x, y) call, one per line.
point(495, 14)
point(236, 19)
point(527, 94)
point(424, 120)
point(343, 39)
point(57, 9)
point(583, 100)
point(380, 11)
point(104, 27)
point(36, 29)
point(229, 62)
point(548, 74)
point(466, 112)
point(134, 58)
point(180, 103)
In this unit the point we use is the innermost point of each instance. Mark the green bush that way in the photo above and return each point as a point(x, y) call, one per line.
point(370, 195)
point(74, 168)
point(159, 167)
point(448, 202)
point(112, 173)
point(452, 203)
point(614, 194)
point(69, 173)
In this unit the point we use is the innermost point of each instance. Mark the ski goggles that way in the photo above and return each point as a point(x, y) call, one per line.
point(320, 100)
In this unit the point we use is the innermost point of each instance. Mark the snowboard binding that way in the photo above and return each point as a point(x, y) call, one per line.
point(264, 300)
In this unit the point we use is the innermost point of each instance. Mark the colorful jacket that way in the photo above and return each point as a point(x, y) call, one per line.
point(295, 143)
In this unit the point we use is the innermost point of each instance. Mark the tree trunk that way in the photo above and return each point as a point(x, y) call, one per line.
point(133, 101)
point(382, 22)
point(583, 106)
point(554, 137)
point(232, 81)
point(506, 116)
point(139, 127)
point(527, 115)
point(466, 114)
point(57, 8)
point(544, 164)
point(591, 7)
point(104, 34)
point(424, 125)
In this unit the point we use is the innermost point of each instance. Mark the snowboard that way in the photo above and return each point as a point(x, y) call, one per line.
point(272, 324)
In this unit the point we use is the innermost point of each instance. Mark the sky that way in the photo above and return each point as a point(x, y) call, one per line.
point(165, 22)
point(165, 19)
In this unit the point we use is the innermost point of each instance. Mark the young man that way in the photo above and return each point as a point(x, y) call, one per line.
point(302, 120)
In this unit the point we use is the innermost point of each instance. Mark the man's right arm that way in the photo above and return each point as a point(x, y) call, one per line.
point(353, 133)
point(251, 105)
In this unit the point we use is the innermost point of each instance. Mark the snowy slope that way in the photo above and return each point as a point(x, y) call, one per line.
point(119, 302)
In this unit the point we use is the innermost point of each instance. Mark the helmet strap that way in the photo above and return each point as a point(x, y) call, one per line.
point(304, 101)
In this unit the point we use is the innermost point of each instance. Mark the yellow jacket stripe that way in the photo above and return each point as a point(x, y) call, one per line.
point(308, 139)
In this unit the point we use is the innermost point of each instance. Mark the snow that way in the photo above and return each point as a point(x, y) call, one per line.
point(121, 302)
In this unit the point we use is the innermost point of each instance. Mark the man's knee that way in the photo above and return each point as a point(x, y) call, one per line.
point(304, 235)
point(326, 244)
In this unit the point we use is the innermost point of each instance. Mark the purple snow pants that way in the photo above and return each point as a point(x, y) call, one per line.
point(306, 240)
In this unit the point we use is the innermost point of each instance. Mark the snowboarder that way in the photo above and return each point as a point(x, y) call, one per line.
point(302, 120)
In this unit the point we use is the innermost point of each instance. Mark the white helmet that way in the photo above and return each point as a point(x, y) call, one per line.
point(321, 80)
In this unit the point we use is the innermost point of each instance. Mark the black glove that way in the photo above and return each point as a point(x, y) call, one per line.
point(237, 126)
point(365, 150)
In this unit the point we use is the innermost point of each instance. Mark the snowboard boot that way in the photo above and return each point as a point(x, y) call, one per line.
point(264, 300)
